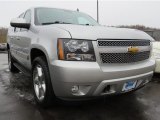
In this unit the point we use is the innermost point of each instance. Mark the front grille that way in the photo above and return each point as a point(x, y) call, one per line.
point(124, 43)
point(124, 57)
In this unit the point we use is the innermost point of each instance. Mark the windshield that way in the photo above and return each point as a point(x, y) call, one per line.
point(44, 16)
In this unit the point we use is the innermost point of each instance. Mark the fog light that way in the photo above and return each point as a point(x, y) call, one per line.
point(75, 89)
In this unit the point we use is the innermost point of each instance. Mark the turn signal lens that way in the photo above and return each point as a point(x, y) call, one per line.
point(60, 50)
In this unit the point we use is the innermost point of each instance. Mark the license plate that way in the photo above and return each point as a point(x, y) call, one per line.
point(129, 86)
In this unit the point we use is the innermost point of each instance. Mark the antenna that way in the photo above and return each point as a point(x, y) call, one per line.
point(97, 11)
point(77, 10)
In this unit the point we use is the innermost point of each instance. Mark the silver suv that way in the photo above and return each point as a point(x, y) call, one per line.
point(71, 57)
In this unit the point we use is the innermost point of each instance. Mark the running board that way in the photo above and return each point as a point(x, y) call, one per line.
point(22, 69)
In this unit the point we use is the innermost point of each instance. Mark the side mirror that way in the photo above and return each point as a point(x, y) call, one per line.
point(20, 23)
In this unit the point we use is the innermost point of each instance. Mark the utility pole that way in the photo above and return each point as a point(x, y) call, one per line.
point(97, 11)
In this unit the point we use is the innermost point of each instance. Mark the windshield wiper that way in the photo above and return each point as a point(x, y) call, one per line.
point(87, 24)
point(56, 22)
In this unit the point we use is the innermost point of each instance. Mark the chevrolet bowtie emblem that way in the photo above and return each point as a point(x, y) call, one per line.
point(133, 49)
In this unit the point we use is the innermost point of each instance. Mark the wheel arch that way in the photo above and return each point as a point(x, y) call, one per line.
point(38, 51)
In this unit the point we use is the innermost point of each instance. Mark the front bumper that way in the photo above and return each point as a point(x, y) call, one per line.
point(93, 78)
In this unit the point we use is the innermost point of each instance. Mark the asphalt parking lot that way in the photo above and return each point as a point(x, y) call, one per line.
point(17, 103)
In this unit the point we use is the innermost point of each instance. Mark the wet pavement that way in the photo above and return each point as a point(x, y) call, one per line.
point(17, 103)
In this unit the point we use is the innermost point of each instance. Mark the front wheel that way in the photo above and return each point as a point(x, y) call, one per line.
point(42, 87)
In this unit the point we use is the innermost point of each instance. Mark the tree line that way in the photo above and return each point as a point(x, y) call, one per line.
point(3, 35)
point(139, 27)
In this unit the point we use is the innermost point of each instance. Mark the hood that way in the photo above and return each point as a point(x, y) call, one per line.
point(102, 32)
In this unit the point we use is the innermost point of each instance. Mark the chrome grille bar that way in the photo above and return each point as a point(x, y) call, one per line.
point(124, 57)
point(124, 43)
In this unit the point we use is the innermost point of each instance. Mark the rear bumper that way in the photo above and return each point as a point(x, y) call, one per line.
point(92, 78)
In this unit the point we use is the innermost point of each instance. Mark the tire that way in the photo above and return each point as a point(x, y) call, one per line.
point(12, 68)
point(41, 83)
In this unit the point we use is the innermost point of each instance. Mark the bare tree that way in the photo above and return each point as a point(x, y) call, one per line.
point(3, 35)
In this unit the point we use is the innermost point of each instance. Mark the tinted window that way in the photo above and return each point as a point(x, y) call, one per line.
point(27, 16)
point(18, 29)
point(51, 15)
point(21, 16)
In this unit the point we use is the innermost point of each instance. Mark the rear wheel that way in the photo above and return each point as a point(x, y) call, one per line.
point(42, 87)
point(12, 68)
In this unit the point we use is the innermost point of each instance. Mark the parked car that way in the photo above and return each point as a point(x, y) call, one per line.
point(71, 57)
point(156, 55)
point(3, 46)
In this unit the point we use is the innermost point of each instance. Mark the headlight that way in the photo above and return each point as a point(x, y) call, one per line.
point(75, 50)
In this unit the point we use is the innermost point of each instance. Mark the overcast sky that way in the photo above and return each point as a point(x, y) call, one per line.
point(113, 12)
